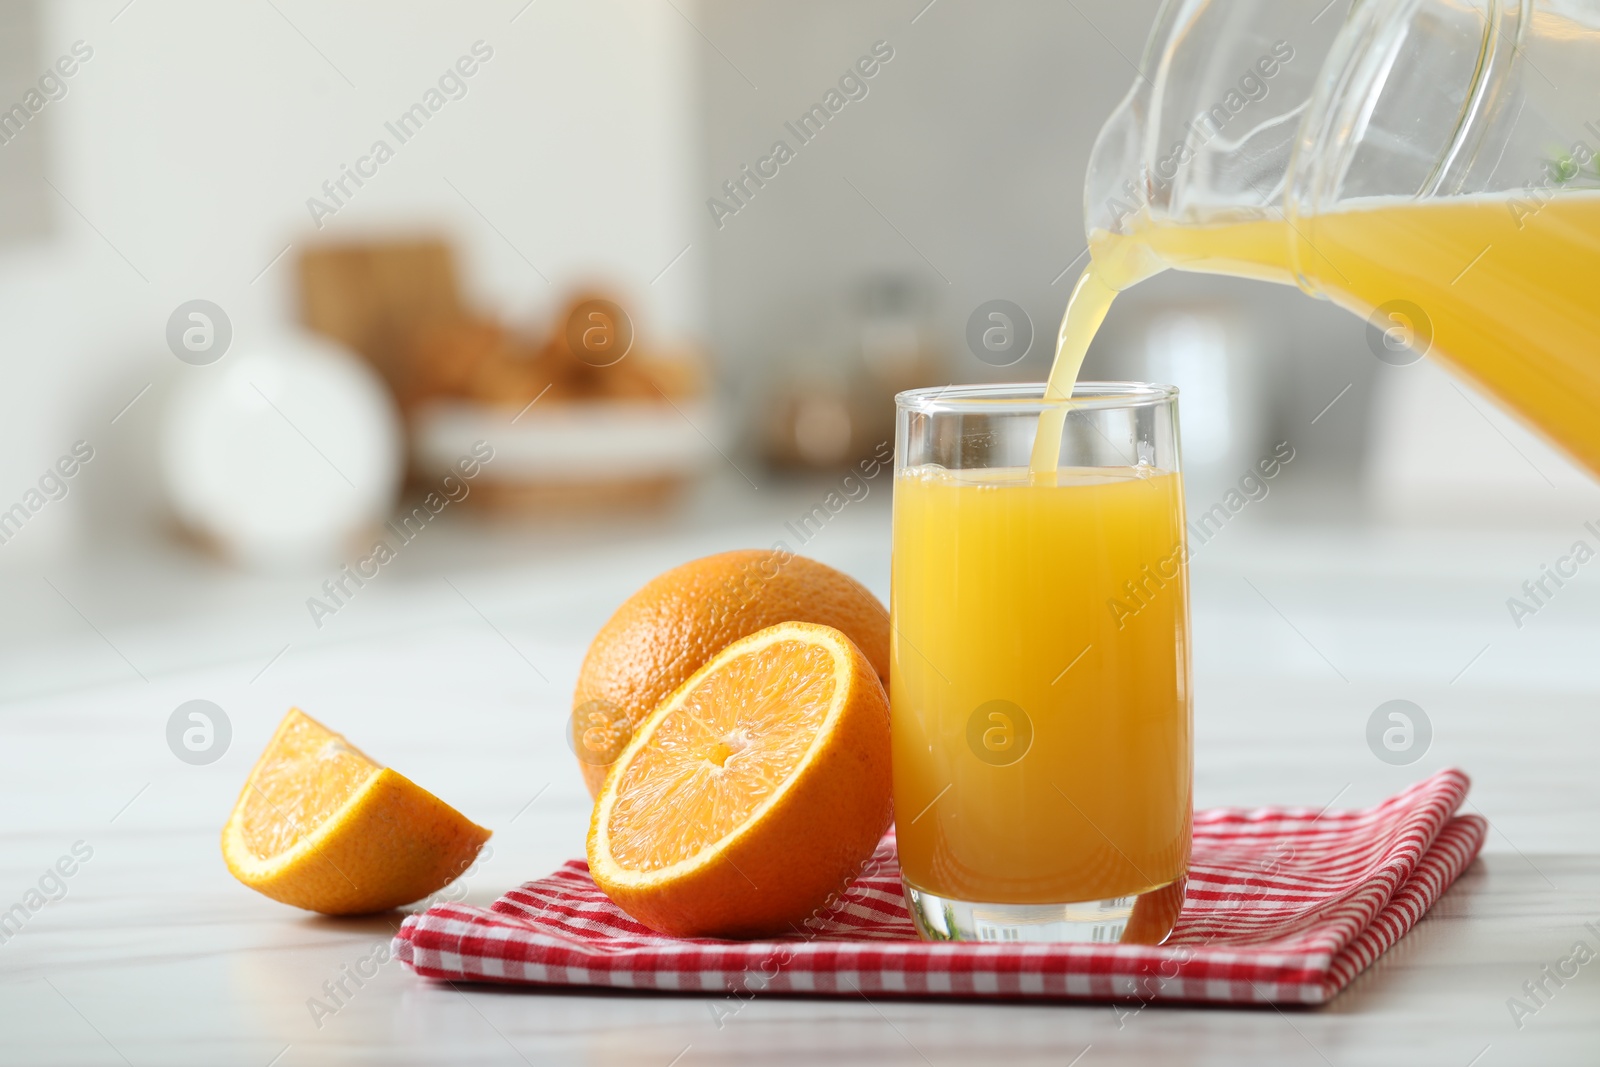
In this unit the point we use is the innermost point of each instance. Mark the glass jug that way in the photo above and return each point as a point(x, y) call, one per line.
point(1432, 165)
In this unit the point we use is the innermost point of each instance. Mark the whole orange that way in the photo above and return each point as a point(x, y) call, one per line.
point(681, 619)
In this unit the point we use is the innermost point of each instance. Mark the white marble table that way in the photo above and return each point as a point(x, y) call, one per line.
point(154, 955)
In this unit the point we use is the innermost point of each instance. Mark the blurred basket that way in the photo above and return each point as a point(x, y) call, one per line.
point(582, 419)
point(573, 457)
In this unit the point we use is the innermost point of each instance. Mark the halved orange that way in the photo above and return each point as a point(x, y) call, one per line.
point(672, 627)
point(755, 791)
point(322, 827)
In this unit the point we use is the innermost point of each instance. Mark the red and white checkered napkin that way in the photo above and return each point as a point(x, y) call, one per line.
point(1284, 905)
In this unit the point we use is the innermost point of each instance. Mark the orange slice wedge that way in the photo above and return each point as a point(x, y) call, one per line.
point(322, 827)
point(752, 793)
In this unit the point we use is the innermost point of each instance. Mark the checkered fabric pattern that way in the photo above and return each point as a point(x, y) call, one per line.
point(1283, 906)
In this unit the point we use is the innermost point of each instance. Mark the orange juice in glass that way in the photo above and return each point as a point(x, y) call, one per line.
point(1040, 665)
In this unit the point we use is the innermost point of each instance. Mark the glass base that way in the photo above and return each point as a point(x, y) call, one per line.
point(1141, 919)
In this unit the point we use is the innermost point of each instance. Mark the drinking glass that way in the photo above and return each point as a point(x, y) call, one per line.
point(1040, 692)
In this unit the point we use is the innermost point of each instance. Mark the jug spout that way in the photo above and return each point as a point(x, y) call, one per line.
point(1211, 124)
point(1117, 194)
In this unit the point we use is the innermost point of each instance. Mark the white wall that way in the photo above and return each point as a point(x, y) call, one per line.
point(194, 135)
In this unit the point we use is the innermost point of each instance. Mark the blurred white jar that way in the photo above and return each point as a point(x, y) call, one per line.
point(1213, 356)
point(283, 453)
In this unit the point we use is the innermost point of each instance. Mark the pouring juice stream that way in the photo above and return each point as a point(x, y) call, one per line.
point(1507, 292)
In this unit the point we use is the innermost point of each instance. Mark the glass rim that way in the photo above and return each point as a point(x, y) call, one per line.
point(1000, 397)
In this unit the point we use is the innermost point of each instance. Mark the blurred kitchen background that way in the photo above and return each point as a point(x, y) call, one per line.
point(273, 337)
